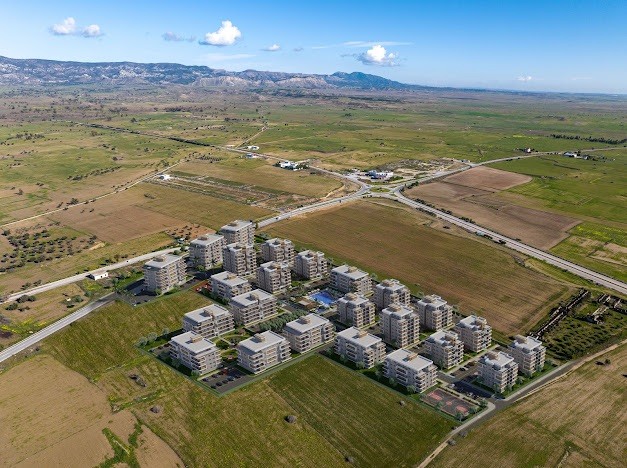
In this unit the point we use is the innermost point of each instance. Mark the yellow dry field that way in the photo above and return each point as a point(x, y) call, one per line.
point(49, 306)
point(52, 416)
point(487, 178)
point(579, 420)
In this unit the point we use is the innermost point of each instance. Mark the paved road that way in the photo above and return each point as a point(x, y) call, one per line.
point(55, 327)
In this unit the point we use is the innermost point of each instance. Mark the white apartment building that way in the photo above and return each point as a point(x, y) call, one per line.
point(445, 349)
point(308, 332)
point(410, 370)
point(360, 347)
point(239, 231)
point(253, 306)
point(209, 322)
point(435, 313)
point(263, 351)
point(206, 251)
point(310, 265)
point(278, 250)
point(475, 333)
point(528, 353)
point(390, 291)
point(164, 272)
point(498, 371)
point(225, 285)
point(195, 352)
point(400, 325)
point(356, 310)
point(350, 279)
point(240, 259)
point(274, 277)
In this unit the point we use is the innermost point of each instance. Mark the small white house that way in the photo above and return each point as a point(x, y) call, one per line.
point(252, 148)
point(165, 177)
point(99, 275)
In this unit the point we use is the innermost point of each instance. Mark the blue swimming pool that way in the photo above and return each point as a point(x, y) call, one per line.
point(323, 297)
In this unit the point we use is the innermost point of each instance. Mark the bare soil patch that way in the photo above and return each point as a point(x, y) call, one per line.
point(487, 178)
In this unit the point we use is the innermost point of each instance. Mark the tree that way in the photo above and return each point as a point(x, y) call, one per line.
point(459, 416)
point(392, 381)
point(361, 365)
point(152, 336)
point(142, 341)
point(165, 331)
point(411, 389)
point(195, 373)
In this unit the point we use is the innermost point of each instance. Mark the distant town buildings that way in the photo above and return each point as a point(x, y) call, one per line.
point(381, 175)
point(310, 265)
point(225, 285)
point(435, 313)
point(308, 332)
point(445, 348)
point(195, 352)
point(240, 259)
point(390, 291)
point(356, 310)
point(278, 250)
point(263, 351)
point(410, 370)
point(274, 277)
point(475, 333)
point(209, 322)
point(360, 347)
point(528, 353)
point(498, 371)
point(206, 251)
point(239, 231)
point(253, 306)
point(399, 324)
point(164, 272)
point(350, 279)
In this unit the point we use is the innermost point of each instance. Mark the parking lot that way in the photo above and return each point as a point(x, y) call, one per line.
point(229, 378)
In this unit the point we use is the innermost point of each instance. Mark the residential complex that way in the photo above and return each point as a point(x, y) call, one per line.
point(445, 349)
point(308, 332)
point(253, 306)
point(356, 310)
point(240, 259)
point(195, 352)
point(528, 353)
point(475, 333)
point(262, 351)
point(210, 321)
point(278, 250)
point(310, 265)
point(274, 277)
point(498, 371)
point(390, 291)
point(164, 272)
point(206, 251)
point(435, 313)
point(350, 279)
point(410, 369)
point(400, 325)
point(225, 285)
point(239, 232)
point(360, 347)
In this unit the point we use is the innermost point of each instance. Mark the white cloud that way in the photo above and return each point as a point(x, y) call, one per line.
point(273, 48)
point(93, 30)
point(525, 78)
point(377, 55)
point(226, 35)
point(68, 27)
point(173, 37)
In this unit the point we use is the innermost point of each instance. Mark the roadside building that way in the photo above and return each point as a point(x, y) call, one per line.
point(435, 313)
point(360, 347)
point(98, 275)
point(308, 332)
point(278, 250)
point(475, 333)
point(209, 322)
point(225, 285)
point(498, 371)
point(528, 353)
point(400, 325)
point(206, 251)
point(410, 370)
point(239, 231)
point(274, 277)
point(390, 291)
point(263, 351)
point(240, 259)
point(164, 272)
point(356, 310)
point(350, 279)
point(253, 306)
point(195, 352)
point(445, 348)
point(310, 264)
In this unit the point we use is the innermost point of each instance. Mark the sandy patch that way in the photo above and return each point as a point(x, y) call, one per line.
point(153, 452)
point(487, 178)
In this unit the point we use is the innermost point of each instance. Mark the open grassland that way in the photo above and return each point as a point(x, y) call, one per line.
point(396, 242)
point(579, 420)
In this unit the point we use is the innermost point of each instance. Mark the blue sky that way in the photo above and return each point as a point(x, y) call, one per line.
point(578, 46)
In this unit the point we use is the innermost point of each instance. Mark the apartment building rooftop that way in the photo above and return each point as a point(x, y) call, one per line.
point(236, 225)
point(473, 322)
point(309, 253)
point(350, 271)
point(207, 239)
point(202, 314)
point(193, 342)
point(398, 310)
point(231, 279)
point(443, 337)
point(251, 297)
point(305, 323)
point(355, 298)
point(161, 261)
point(359, 337)
point(260, 341)
point(410, 359)
point(433, 299)
point(526, 343)
point(496, 359)
point(392, 283)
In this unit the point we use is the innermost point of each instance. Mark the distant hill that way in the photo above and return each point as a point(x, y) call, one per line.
point(51, 72)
